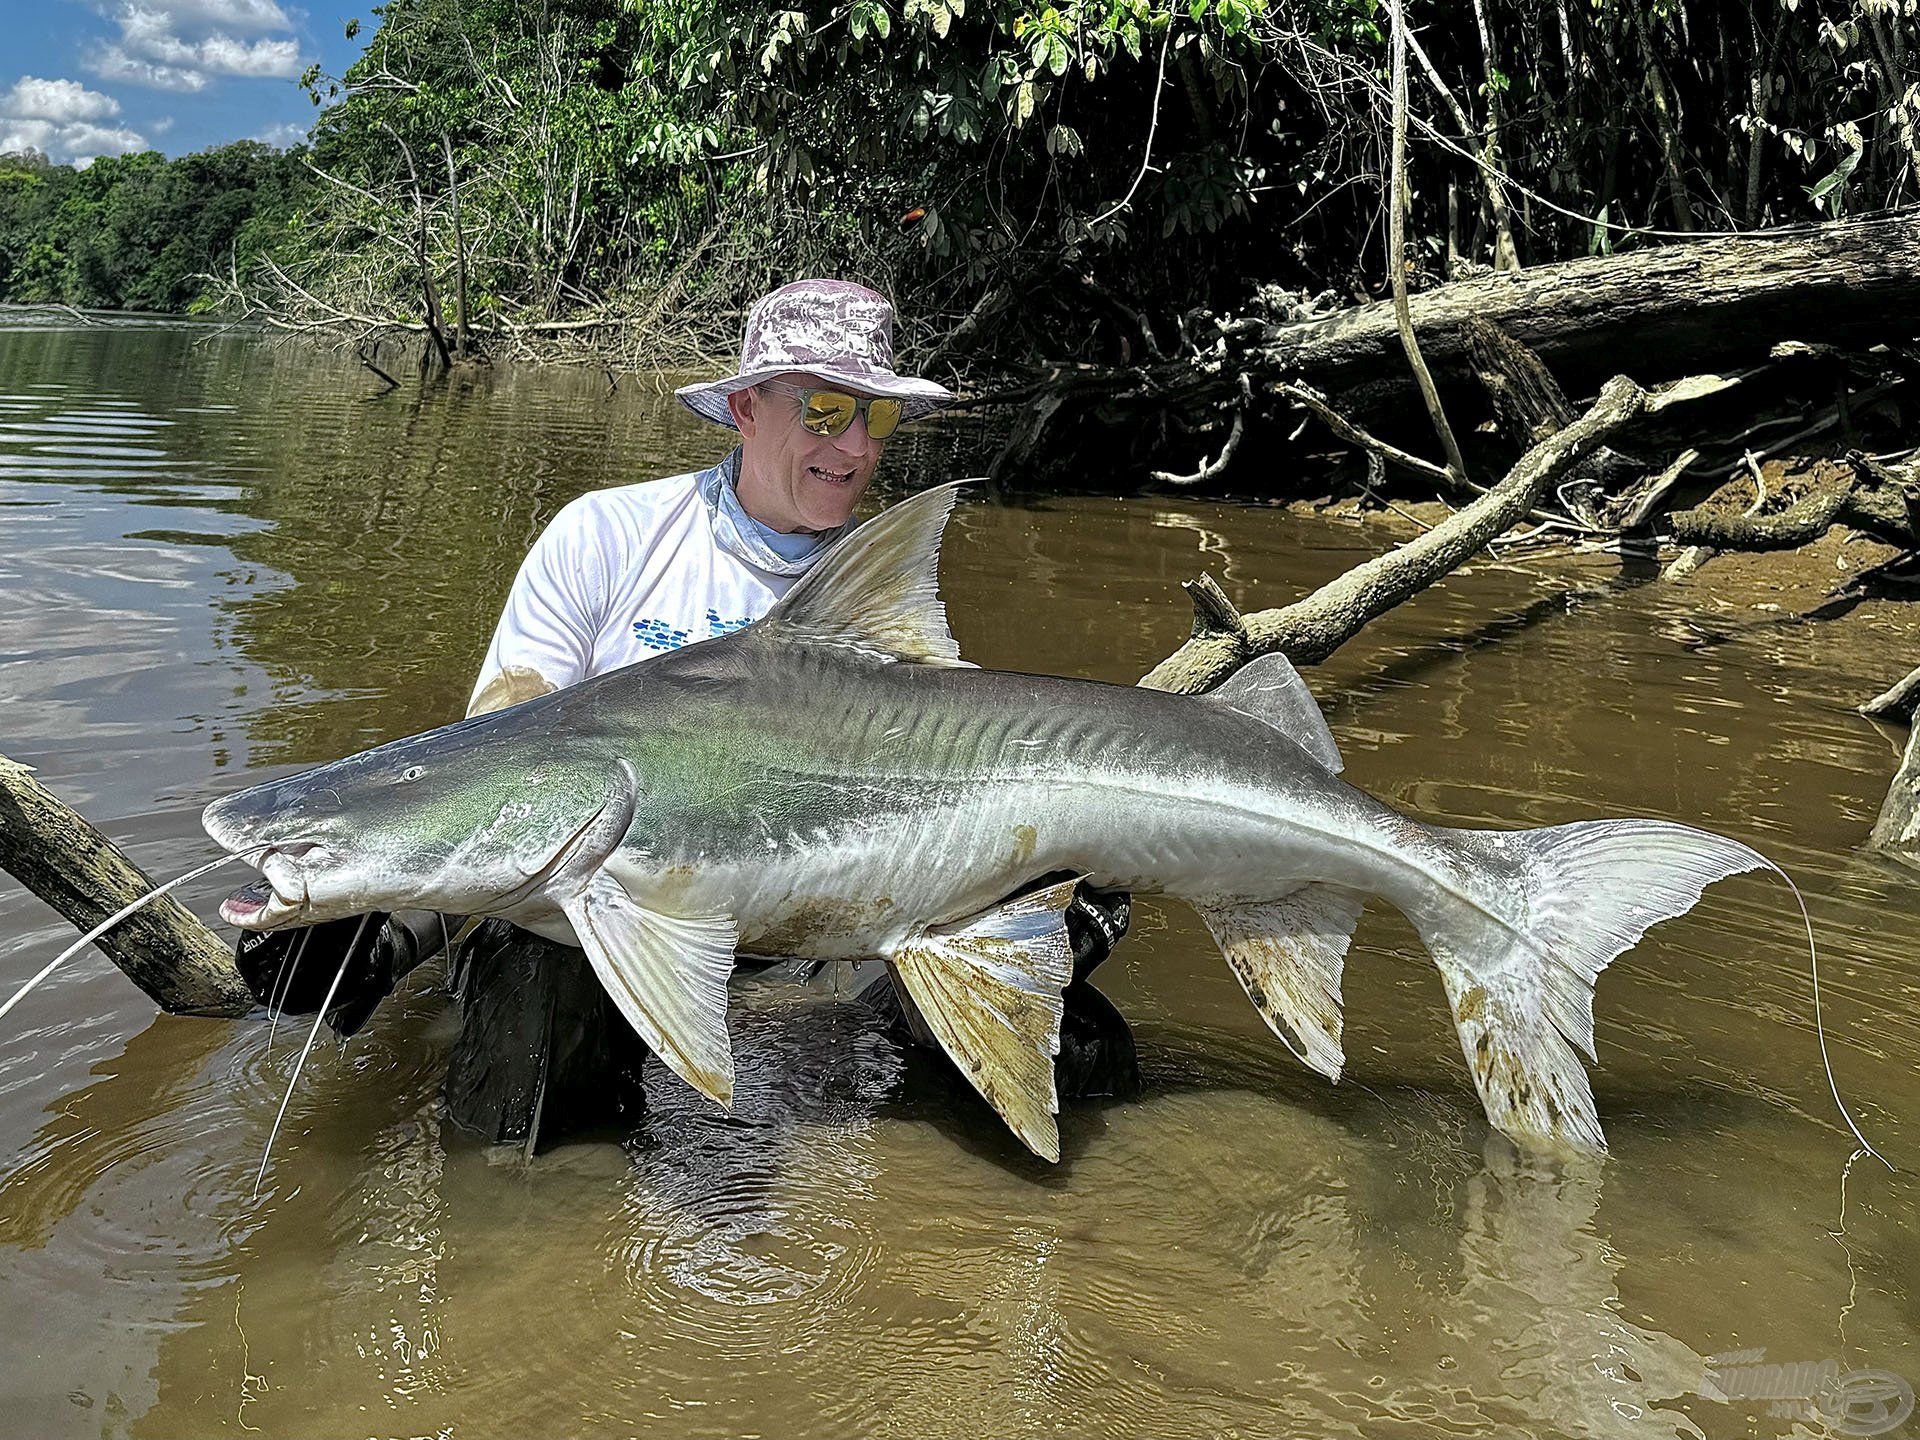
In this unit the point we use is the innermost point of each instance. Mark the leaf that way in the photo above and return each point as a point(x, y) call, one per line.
point(1825, 186)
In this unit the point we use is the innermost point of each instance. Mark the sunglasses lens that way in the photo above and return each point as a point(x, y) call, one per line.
point(883, 418)
point(828, 412)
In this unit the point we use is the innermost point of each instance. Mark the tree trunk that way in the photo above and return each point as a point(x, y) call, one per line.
point(1681, 308)
point(1897, 831)
point(163, 949)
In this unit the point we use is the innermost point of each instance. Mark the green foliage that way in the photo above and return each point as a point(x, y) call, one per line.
point(139, 232)
point(1012, 160)
point(934, 146)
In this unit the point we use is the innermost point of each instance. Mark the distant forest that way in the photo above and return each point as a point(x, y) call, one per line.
point(141, 232)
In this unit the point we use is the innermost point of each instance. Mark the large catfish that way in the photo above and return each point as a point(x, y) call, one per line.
point(835, 782)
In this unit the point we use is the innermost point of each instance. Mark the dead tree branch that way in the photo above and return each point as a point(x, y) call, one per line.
point(1397, 251)
point(430, 293)
point(1316, 404)
point(1311, 629)
point(1897, 702)
point(1897, 828)
point(162, 948)
point(1875, 500)
point(463, 341)
point(1211, 469)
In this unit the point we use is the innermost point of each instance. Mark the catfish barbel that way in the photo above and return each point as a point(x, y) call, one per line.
point(834, 782)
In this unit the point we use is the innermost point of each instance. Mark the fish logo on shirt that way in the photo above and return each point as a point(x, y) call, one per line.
point(657, 634)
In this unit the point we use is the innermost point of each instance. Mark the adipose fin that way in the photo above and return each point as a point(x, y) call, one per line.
point(1270, 690)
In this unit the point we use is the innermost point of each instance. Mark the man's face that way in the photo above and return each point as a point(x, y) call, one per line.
point(790, 478)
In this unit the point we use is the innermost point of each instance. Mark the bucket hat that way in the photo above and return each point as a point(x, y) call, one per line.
point(832, 329)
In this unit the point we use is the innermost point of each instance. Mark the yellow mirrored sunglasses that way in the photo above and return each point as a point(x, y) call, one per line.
point(830, 412)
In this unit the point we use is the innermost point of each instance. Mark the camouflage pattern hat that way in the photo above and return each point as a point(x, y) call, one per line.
point(839, 332)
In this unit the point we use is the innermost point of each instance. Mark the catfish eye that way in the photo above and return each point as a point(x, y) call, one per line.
point(410, 774)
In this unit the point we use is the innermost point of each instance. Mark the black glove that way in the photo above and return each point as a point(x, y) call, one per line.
point(292, 969)
point(1096, 922)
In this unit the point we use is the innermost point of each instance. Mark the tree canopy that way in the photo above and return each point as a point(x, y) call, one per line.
point(1024, 177)
point(140, 232)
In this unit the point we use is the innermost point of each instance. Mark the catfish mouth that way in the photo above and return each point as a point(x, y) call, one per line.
point(279, 898)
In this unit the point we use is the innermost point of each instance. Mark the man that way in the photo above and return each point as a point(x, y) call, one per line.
point(622, 574)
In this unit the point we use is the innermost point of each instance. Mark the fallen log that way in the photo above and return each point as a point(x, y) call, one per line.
point(1665, 311)
point(1897, 829)
point(1898, 701)
point(1684, 307)
point(162, 948)
point(1311, 629)
point(1869, 496)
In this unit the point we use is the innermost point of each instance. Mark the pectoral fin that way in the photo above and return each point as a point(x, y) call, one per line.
point(1288, 954)
point(989, 989)
point(668, 974)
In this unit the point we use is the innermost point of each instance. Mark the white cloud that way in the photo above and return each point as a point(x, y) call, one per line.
point(32, 97)
point(284, 135)
point(83, 144)
point(57, 118)
point(110, 62)
point(182, 44)
point(17, 135)
point(260, 15)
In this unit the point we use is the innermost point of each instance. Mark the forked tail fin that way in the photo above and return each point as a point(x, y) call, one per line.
point(1521, 983)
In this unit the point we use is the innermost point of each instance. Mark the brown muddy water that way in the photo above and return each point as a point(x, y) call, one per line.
point(224, 561)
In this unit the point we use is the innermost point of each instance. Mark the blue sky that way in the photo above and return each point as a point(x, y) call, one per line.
point(84, 78)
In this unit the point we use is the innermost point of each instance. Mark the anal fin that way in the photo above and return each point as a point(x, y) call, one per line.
point(1288, 954)
point(668, 976)
point(989, 988)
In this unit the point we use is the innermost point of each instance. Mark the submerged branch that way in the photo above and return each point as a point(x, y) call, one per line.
point(1898, 702)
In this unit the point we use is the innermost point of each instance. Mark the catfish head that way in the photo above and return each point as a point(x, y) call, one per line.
point(472, 818)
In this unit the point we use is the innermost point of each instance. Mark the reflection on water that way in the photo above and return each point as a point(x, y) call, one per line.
point(224, 558)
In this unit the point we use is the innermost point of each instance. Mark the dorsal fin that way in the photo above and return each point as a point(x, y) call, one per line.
point(877, 591)
point(1270, 690)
